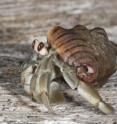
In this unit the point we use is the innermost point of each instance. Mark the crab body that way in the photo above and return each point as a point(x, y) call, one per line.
point(80, 56)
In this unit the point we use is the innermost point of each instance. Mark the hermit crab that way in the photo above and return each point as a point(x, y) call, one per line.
point(82, 57)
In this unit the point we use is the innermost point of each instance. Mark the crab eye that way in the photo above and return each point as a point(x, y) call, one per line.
point(40, 46)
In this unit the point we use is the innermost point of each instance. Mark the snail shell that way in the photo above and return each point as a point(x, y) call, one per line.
point(89, 51)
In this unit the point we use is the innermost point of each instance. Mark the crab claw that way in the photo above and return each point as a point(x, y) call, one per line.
point(92, 96)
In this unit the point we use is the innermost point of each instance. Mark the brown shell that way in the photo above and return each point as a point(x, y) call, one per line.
point(80, 46)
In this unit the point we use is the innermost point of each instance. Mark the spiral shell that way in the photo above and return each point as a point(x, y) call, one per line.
point(84, 48)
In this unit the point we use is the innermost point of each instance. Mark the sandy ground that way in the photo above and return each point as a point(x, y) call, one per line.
point(21, 21)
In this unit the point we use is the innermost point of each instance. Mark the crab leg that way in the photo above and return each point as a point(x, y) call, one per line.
point(36, 88)
point(86, 91)
point(55, 93)
point(26, 76)
point(91, 95)
point(41, 82)
point(28, 70)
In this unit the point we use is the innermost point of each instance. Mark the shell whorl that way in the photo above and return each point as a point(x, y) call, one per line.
point(77, 47)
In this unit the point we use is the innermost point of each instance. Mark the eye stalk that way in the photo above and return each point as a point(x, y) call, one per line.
point(33, 44)
point(40, 47)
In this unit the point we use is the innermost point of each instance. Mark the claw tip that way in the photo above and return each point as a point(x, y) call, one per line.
point(104, 107)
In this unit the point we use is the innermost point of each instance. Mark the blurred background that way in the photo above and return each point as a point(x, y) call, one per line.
point(23, 20)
